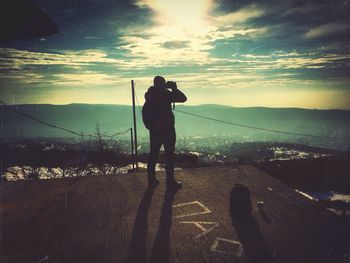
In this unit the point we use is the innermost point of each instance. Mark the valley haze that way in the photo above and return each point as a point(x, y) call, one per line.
point(83, 119)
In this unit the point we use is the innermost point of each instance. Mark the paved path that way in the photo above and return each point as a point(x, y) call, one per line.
point(117, 219)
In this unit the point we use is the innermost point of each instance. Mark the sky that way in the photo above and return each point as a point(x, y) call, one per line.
point(241, 53)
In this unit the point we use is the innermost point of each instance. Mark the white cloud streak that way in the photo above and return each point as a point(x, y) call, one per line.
point(240, 16)
point(11, 58)
point(327, 30)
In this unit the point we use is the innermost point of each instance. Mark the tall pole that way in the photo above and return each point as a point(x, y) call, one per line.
point(134, 115)
point(132, 149)
point(1, 185)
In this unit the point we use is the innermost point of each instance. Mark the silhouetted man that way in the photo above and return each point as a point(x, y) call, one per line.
point(159, 119)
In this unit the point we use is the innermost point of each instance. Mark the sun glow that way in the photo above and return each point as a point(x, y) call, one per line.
point(180, 13)
point(180, 32)
point(183, 31)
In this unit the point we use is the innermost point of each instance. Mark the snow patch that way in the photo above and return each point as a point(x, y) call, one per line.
point(306, 195)
point(284, 153)
point(16, 173)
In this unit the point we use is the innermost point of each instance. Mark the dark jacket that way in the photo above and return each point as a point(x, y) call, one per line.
point(161, 99)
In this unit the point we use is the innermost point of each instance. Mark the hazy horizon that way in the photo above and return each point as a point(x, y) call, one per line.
point(186, 104)
point(321, 127)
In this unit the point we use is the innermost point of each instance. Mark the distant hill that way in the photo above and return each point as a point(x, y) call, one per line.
point(114, 118)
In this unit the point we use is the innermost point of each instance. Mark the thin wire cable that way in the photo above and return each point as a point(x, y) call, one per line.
point(58, 127)
point(118, 133)
point(253, 127)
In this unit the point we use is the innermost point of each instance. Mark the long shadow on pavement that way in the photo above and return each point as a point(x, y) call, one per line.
point(137, 252)
point(161, 247)
point(253, 242)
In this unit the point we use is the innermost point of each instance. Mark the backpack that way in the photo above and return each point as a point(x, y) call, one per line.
point(240, 202)
point(152, 116)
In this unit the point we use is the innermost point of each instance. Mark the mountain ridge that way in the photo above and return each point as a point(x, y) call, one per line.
point(197, 105)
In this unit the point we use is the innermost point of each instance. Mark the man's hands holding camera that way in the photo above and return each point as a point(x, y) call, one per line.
point(171, 85)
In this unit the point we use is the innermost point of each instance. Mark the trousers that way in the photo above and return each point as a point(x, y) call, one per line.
point(166, 137)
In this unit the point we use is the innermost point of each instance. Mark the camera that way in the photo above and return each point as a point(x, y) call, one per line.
point(170, 85)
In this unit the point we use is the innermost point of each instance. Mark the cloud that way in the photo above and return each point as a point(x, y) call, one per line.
point(328, 30)
point(86, 79)
point(239, 16)
point(175, 44)
point(294, 60)
point(16, 59)
point(183, 33)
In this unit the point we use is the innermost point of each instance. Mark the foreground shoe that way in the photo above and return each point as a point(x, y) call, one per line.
point(174, 184)
point(152, 181)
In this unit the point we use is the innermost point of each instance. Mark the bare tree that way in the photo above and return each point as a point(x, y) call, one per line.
point(100, 143)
